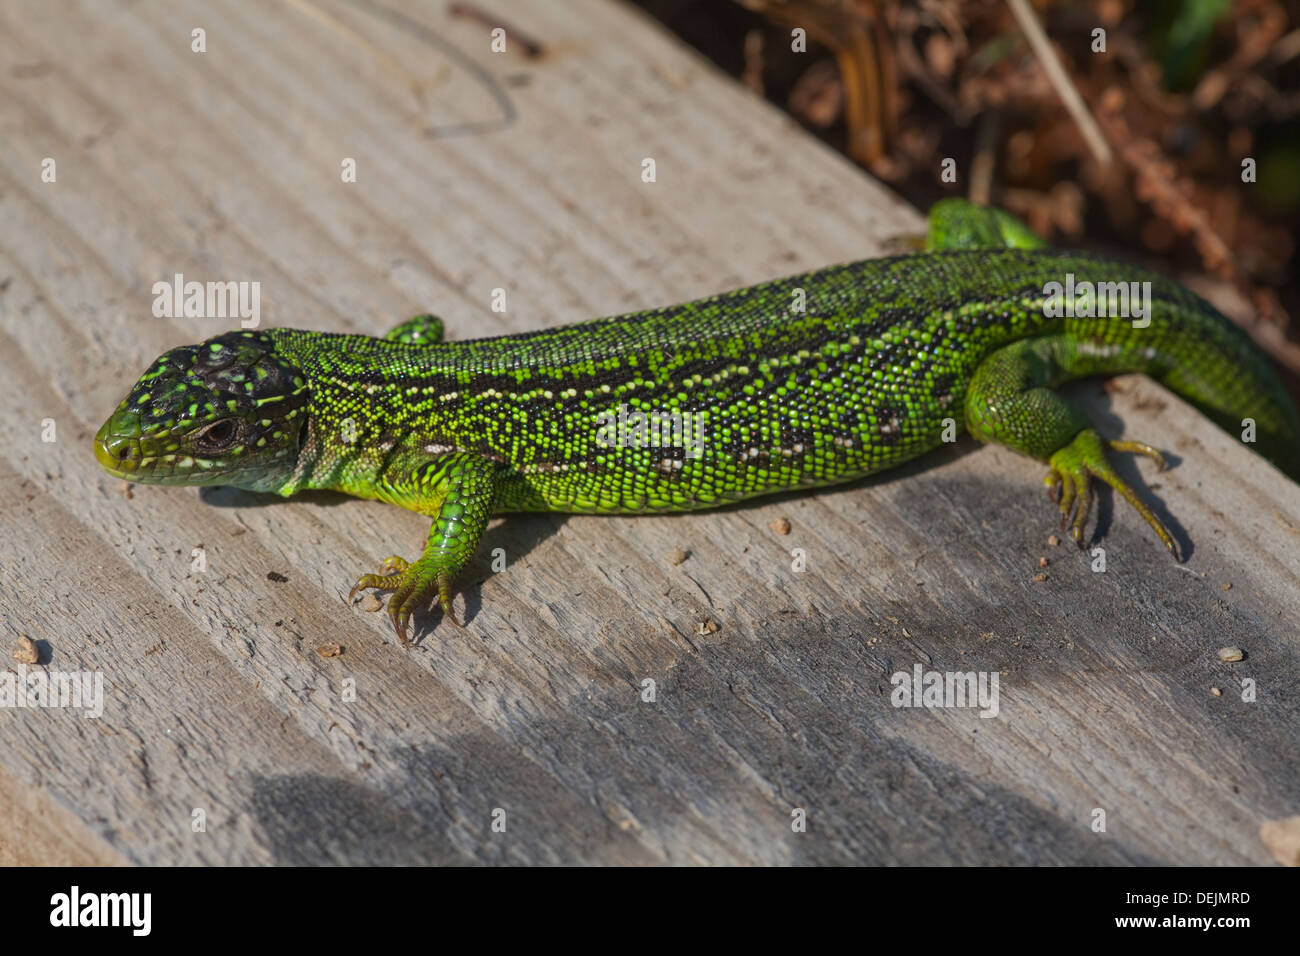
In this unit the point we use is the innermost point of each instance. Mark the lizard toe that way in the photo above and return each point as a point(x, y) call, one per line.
point(381, 582)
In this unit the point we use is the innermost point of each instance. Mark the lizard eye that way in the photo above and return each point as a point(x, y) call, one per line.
point(218, 436)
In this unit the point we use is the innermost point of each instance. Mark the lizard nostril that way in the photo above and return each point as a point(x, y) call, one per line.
point(122, 447)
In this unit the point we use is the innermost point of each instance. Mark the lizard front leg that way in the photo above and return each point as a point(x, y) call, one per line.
point(457, 490)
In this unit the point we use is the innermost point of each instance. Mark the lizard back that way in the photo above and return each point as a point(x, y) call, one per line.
point(805, 381)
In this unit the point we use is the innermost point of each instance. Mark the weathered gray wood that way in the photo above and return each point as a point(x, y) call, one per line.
point(225, 165)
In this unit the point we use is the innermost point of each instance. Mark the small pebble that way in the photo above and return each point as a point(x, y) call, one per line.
point(676, 556)
point(1040, 576)
point(1231, 654)
point(25, 651)
point(1042, 562)
point(123, 488)
point(1054, 541)
point(1226, 587)
point(369, 602)
point(329, 650)
point(706, 626)
point(780, 526)
point(1215, 692)
point(276, 576)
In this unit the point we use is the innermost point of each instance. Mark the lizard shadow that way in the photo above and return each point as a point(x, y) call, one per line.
point(228, 496)
point(510, 536)
point(517, 533)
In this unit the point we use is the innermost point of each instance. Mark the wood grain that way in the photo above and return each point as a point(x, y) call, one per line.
point(479, 171)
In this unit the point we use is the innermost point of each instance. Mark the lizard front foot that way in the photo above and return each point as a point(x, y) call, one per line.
point(412, 585)
point(1069, 482)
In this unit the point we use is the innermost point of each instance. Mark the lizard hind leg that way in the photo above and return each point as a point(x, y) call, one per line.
point(419, 330)
point(1010, 402)
point(962, 224)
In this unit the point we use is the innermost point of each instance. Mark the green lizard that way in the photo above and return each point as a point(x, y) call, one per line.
point(882, 358)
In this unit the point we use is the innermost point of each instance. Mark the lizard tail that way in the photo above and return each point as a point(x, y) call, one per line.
point(1237, 387)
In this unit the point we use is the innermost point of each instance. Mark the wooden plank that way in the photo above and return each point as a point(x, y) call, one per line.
point(226, 165)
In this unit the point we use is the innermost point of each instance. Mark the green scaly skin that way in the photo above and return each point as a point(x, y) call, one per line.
point(885, 353)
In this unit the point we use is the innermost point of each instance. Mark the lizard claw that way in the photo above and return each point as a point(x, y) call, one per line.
point(1072, 470)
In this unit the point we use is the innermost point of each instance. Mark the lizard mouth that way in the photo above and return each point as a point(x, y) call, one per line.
point(122, 450)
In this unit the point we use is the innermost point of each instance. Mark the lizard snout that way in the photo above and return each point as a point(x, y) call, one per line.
point(117, 444)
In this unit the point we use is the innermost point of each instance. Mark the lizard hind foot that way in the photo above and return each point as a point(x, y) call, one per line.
point(1072, 469)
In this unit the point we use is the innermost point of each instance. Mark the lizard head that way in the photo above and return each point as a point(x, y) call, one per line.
point(228, 411)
